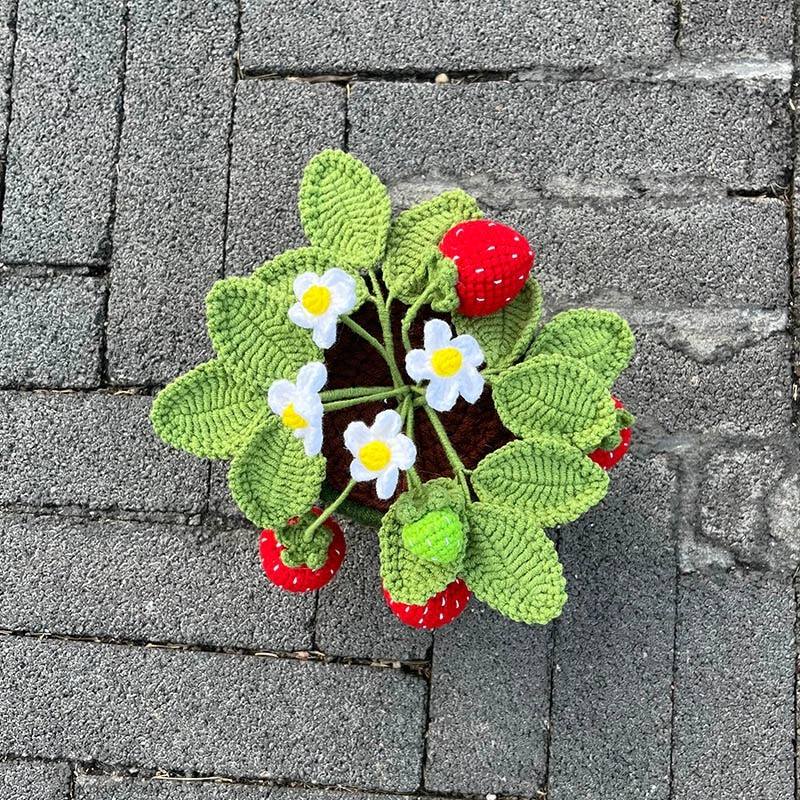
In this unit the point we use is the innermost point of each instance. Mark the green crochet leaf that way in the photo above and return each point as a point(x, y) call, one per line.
point(437, 537)
point(299, 552)
point(602, 340)
point(252, 334)
point(512, 565)
point(283, 269)
point(345, 209)
point(272, 479)
point(443, 278)
point(555, 396)
point(505, 335)
point(547, 479)
point(413, 246)
point(208, 412)
point(407, 577)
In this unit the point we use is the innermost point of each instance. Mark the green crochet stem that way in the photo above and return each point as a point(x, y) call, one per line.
point(382, 306)
point(411, 314)
point(407, 411)
point(456, 463)
point(308, 533)
point(356, 391)
point(370, 397)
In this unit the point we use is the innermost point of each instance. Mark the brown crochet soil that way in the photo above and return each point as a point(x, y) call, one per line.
point(474, 429)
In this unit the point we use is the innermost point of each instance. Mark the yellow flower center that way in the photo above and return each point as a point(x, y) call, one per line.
point(291, 419)
point(375, 456)
point(316, 300)
point(446, 362)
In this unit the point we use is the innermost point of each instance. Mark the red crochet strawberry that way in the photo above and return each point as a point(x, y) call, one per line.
point(440, 609)
point(493, 262)
point(608, 458)
point(301, 579)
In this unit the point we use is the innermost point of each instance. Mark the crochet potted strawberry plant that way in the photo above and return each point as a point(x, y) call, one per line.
point(396, 371)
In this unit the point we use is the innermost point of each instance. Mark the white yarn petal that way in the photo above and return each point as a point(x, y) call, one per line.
point(387, 483)
point(436, 334)
point(471, 384)
point(442, 394)
point(358, 472)
point(404, 452)
point(387, 425)
point(303, 282)
point(312, 440)
point(312, 377)
point(324, 334)
point(469, 348)
point(418, 365)
point(301, 317)
point(280, 394)
point(356, 435)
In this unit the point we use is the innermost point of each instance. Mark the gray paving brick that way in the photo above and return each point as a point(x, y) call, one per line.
point(34, 780)
point(63, 131)
point(430, 36)
point(52, 331)
point(612, 682)
point(488, 705)
point(168, 237)
point(213, 713)
point(709, 372)
point(352, 616)
point(704, 253)
point(279, 126)
point(93, 450)
point(506, 140)
point(145, 581)
point(8, 11)
point(737, 28)
point(734, 688)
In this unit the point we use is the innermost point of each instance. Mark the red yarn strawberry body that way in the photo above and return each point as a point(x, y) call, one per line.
point(608, 458)
point(301, 579)
point(438, 611)
point(493, 262)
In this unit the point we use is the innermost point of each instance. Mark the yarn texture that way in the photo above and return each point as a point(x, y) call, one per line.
point(398, 371)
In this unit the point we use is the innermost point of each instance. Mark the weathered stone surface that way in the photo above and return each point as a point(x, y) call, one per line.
point(63, 131)
point(612, 681)
point(107, 578)
point(279, 126)
point(489, 705)
point(168, 236)
point(94, 450)
point(507, 141)
point(736, 28)
point(212, 713)
point(429, 36)
point(352, 616)
point(34, 780)
point(734, 688)
point(52, 331)
point(708, 253)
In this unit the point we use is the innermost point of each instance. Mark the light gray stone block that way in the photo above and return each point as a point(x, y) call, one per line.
point(614, 642)
point(92, 450)
point(735, 661)
point(168, 236)
point(145, 581)
point(279, 126)
point(52, 331)
point(213, 713)
point(34, 780)
point(507, 141)
point(488, 706)
point(63, 133)
point(429, 36)
point(352, 616)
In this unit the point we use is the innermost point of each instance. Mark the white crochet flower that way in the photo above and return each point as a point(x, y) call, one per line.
point(450, 364)
point(299, 406)
point(380, 451)
point(321, 300)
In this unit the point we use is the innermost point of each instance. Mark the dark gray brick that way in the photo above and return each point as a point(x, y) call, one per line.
point(53, 329)
point(212, 713)
point(488, 705)
point(704, 253)
point(63, 130)
point(168, 237)
point(705, 372)
point(737, 28)
point(428, 36)
point(506, 140)
point(145, 581)
point(734, 688)
point(34, 780)
point(353, 618)
point(614, 643)
point(279, 126)
point(93, 450)
point(8, 10)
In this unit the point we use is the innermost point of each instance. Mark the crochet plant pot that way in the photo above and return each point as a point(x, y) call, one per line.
point(397, 371)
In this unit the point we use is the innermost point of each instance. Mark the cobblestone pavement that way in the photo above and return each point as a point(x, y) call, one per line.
point(648, 149)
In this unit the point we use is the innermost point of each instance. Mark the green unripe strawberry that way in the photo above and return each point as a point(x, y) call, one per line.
point(437, 537)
